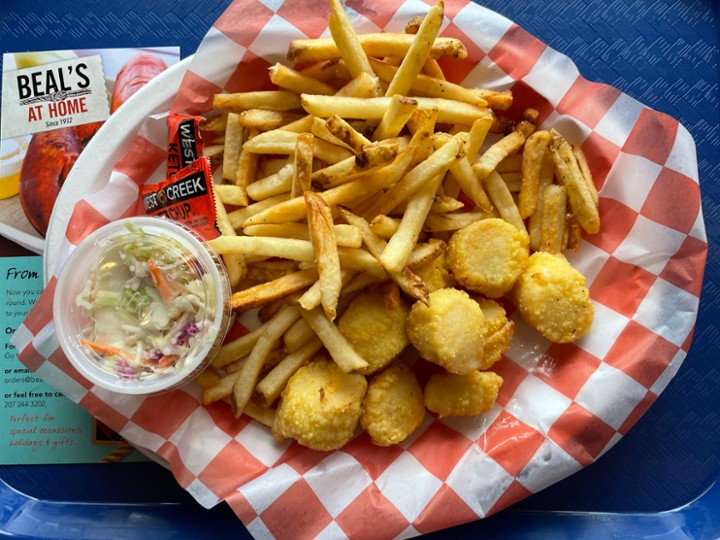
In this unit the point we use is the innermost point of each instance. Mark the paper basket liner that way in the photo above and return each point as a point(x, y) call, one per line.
point(561, 406)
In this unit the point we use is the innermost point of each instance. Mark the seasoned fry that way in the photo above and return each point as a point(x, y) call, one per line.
point(250, 370)
point(302, 164)
point(345, 235)
point(408, 282)
point(232, 146)
point(276, 100)
point(418, 52)
point(449, 111)
point(395, 117)
point(579, 194)
point(281, 287)
point(347, 42)
point(437, 164)
point(503, 200)
point(346, 133)
point(532, 158)
point(297, 82)
point(370, 158)
point(266, 120)
point(487, 162)
point(273, 383)
point(322, 235)
point(377, 45)
point(281, 141)
point(294, 209)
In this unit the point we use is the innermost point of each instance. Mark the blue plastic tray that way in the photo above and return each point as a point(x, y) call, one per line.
point(659, 481)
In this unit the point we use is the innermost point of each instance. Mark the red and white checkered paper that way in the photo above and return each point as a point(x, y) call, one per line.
point(561, 406)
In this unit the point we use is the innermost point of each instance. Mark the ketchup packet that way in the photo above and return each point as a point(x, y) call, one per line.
point(184, 142)
point(186, 197)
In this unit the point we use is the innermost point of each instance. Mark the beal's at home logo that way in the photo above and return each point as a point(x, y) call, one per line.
point(60, 94)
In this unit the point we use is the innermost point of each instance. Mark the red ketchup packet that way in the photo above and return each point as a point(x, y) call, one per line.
point(186, 197)
point(184, 142)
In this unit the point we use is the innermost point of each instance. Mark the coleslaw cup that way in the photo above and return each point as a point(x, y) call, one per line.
point(72, 319)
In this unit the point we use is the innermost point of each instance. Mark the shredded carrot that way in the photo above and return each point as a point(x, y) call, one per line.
point(167, 360)
point(160, 281)
point(105, 350)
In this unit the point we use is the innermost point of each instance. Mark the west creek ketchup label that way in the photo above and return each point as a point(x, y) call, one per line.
point(184, 142)
point(186, 197)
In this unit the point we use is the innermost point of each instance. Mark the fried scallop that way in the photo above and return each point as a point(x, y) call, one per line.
point(321, 405)
point(375, 330)
point(393, 407)
point(487, 256)
point(474, 393)
point(499, 331)
point(450, 331)
point(551, 296)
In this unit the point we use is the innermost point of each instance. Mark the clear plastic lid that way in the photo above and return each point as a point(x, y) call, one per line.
point(141, 306)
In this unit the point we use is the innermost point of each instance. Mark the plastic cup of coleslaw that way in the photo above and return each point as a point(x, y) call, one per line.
point(140, 306)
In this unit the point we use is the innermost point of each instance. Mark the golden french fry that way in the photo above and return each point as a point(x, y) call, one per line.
point(328, 71)
point(291, 248)
point(452, 222)
point(370, 158)
point(425, 253)
point(408, 281)
point(347, 42)
point(364, 85)
point(322, 236)
point(546, 176)
point(220, 390)
point(236, 349)
point(281, 141)
point(276, 100)
point(585, 170)
point(302, 164)
point(215, 123)
point(489, 160)
point(346, 133)
point(398, 250)
point(579, 194)
point(336, 344)
point(513, 181)
point(503, 200)
point(250, 370)
point(573, 233)
point(553, 218)
point(379, 45)
point(214, 151)
point(231, 194)
point(312, 298)
point(301, 125)
point(232, 146)
point(497, 100)
point(532, 157)
point(476, 136)
point(273, 383)
point(247, 164)
point(395, 117)
point(418, 51)
point(512, 163)
point(294, 209)
point(234, 263)
point(413, 25)
point(345, 235)
point(289, 79)
point(384, 226)
point(437, 164)
point(449, 111)
point(266, 120)
point(281, 287)
point(241, 215)
point(275, 184)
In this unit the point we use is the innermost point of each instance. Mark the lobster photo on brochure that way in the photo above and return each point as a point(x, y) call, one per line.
point(51, 154)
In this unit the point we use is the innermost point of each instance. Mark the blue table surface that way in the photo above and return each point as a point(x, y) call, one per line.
point(659, 480)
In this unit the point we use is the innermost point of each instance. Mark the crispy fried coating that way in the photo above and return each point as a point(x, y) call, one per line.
point(487, 256)
point(393, 407)
point(499, 331)
point(450, 331)
point(320, 406)
point(462, 395)
point(552, 297)
point(434, 274)
point(375, 330)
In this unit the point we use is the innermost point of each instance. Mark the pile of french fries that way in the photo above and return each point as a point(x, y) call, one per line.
point(356, 170)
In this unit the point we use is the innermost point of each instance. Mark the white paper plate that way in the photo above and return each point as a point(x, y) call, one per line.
point(92, 169)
